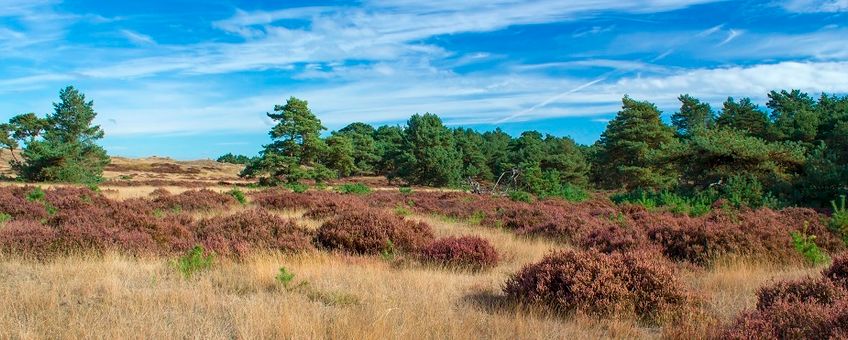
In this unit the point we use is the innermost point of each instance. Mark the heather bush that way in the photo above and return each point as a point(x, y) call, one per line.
point(195, 200)
point(613, 238)
point(13, 201)
point(242, 232)
point(470, 252)
point(809, 290)
point(812, 308)
point(27, 238)
point(787, 320)
point(838, 271)
point(599, 284)
point(369, 232)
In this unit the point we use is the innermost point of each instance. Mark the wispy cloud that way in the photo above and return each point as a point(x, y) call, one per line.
point(138, 38)
point(732, 34)
point(814, 6)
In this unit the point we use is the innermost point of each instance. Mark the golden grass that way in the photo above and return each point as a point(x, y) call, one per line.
point(347, 297)
point(333, 296)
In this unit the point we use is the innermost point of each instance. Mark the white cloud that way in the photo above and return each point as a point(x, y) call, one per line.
point(815, 6)
point(459, 99)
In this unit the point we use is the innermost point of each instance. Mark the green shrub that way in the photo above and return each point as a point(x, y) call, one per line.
point(35, 195)
point(194, 261)
point(401, 210)
point(806, 245)
point(839, 219)
point(388, 253)
point(284, 277)
point(38, 195)
point(238, 195)
point(694, 205)
point(297, 187)
point(520, 196)
point(405, 190)
point(477, 217)
point(4, 217)
point(748, 191)
point(354, 188)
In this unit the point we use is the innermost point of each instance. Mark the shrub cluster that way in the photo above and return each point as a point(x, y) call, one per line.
point(194, 200)
point(812, 308)
point(598, 223)
point(371, 232)
point(242, 232)
point(632, 283)
point(62, 220)
point(471, 252)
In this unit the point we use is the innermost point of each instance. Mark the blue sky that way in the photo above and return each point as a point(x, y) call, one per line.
point(193, 79)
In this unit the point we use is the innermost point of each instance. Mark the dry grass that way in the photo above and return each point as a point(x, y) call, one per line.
point(115, 296)
point(347, 297)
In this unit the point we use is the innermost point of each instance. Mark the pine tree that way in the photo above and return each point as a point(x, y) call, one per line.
point(794, 115)
point(295, 148)
point(66, 150)
point(627, 145)
point(429, 153)
point(693, 115)
point(744, 116)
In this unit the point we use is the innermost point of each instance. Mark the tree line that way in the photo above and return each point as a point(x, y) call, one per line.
point(793, 151)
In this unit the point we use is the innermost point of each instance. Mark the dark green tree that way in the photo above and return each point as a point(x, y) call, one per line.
point(365, 154)
point(8, 141)
point(298, 131)
point(429, 154)
point(712, 157)
point(339, 157)
point(693, 115)
point(564, 156)
point(66, 150)
point(744, 116)
point(295, 148)
point(495, 148)
point(27, 127)
point(388, 142)
point(795, 116)
point(468, 143)
point(624, 155)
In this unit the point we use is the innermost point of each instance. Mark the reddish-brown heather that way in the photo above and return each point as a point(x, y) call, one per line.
point(242, 232)
point(614, 238)
point(838, 271)
point(600, 284)
point(470, 252)
point(811, 308)
point(195, 200)
point(371, 231)
point(13, 202)
point(28, 238)
point(809, 290)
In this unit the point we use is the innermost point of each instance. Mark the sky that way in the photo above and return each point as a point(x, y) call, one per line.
point(194, 79)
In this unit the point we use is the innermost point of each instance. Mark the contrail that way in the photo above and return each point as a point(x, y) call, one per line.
point(549, 100)
point(581, 87)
